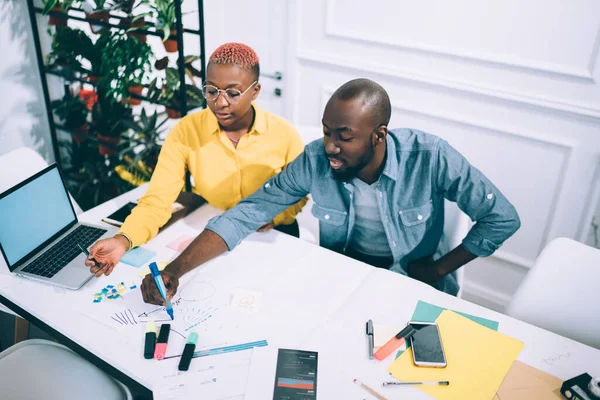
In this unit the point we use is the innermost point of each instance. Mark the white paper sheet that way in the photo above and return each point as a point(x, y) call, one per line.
point(214, 377)
point(246, 301)
point(261, 377)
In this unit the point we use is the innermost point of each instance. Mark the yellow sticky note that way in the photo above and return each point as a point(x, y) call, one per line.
point(142, 272)
point(477, 357)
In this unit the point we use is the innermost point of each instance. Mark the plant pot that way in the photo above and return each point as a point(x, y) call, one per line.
point(107, 146)
point(173, 114)
point(98, 16)
point(126, 22)
point(57, 20)
point(137, 89)
point(88, 97)
point(171, 44)
point(84, 131)
point(93, 79)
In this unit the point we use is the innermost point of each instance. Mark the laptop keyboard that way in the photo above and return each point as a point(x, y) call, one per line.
point(62, 253)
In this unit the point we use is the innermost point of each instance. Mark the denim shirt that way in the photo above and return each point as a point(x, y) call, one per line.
point(421, 170)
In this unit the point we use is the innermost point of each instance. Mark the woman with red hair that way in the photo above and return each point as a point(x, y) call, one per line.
point(230, 149)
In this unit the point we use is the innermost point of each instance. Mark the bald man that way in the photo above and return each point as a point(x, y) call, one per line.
point(378, 193)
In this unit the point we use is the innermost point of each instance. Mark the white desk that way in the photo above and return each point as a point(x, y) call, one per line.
point(313, 299)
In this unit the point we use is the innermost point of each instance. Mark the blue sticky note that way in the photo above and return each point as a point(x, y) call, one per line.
point(138, 256)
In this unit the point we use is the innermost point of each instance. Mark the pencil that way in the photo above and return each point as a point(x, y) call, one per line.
point(368, 389)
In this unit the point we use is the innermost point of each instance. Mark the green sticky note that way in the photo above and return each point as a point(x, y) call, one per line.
point(427, 312)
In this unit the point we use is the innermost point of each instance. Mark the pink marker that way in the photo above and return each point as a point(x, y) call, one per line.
point(161, 343)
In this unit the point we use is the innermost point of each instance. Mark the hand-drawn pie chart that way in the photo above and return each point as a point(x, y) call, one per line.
point(197, 291)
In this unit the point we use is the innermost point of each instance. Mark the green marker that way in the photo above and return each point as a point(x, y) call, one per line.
point(188, 352)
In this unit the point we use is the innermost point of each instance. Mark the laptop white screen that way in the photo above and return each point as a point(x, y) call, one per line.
point(32, 214)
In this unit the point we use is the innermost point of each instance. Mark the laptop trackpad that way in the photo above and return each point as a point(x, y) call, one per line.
point(74, 275)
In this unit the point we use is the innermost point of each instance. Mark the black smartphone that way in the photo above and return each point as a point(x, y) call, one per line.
point(426, 344)
point(118, 217)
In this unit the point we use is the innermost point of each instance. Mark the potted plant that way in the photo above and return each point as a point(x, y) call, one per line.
point(73, 114)
point(133, 23)
point(108, 115)
point(95, 11)
point(66, 43)
point(125, 64)
point(143, 145)
point(169, 92)
point(163, 11)
point(90, 176)
point(71, 46)
point(57, 7)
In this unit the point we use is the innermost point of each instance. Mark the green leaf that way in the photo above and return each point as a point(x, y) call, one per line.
point(166, 32)
point(48, 6)
point(190, 59)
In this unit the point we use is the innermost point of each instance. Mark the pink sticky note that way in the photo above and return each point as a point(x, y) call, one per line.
point(181, 243)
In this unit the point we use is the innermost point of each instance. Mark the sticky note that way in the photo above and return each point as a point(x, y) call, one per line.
point(138, 256)
point(145, 271)
point(478, 359)
point(181, 243)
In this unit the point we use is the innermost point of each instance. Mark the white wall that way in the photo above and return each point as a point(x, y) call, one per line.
point(23, 120)
point(513, 85)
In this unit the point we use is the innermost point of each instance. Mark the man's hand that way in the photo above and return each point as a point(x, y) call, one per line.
point(105, 255)
point(424, 270)
point(150, 292)
point(266, 227)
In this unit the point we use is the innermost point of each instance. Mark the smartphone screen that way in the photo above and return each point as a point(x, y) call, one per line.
point(122, 212)
point(427, 345)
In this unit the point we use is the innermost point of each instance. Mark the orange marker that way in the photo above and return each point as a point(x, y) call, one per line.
point(395, 342)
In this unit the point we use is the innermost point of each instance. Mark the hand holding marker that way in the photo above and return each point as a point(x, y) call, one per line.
point(160, 284)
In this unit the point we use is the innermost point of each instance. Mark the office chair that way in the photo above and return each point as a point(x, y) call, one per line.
point(560, 292)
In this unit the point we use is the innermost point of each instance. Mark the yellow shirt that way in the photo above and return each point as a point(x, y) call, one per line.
point(222, 174)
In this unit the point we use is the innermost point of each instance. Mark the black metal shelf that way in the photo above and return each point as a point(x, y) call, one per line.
point(71, 14)
point(68, 16)
point(73, 77)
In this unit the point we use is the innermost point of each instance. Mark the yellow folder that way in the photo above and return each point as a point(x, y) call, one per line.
point(477, 357)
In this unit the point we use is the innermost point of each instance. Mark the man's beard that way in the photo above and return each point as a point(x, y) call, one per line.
point(352, 172)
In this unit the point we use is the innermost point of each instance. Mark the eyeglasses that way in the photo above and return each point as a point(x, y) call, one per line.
point(211, 93)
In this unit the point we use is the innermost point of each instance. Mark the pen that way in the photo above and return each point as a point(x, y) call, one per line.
point(368, 389)
point(395, 342)
point(87, 253)
point(370, 337)
point(160, 284)
point(188, 352)
point(443, 383)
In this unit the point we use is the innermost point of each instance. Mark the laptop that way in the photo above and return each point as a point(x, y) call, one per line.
point(40, 234)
